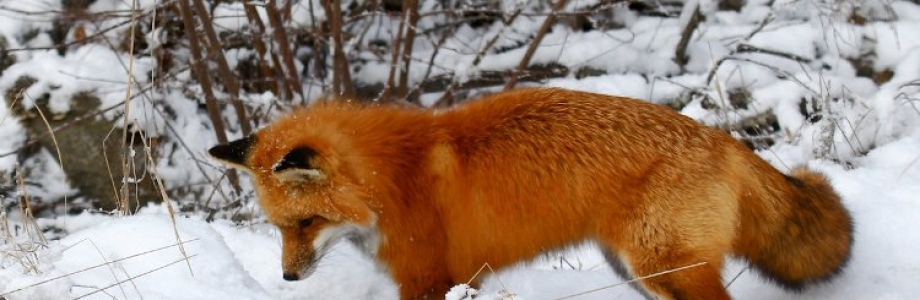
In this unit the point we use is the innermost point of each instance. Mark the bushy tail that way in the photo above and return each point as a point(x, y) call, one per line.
point(811, 235)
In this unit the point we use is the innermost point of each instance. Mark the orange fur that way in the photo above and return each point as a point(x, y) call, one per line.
point(505, 178)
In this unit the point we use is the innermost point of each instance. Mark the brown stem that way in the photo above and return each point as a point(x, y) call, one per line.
point(680, 54)
point(447, 98)
point(319, 55)
point(547, 24)
point(387, 93)
point(718, 64)
point(258, 29)
point(417, 89)
point(230, 83)
point(411, 11)
point(284, 48)
point(342, 76)
point(286, 10)
point(201, 71)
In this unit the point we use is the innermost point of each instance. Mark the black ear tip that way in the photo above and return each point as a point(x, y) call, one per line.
point(221, 151)
point(216, 151)
point(234, 152)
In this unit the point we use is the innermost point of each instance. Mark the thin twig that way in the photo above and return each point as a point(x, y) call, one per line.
point(56, 147)
point(319, 55)
point(111, 267)
point(680, 53)
point(169, 207)
point(65, 275)
point(201, 70)
point(748, 48)
point(258, 30)
point(133, 277)
point(125, 154)
point(417, 89)
point(718, 64)
point(528, 55)
point(230, 82)
point(408, 43)
point(390, 84)
point(631, 281)
point(447, 98)
point(89, 37)
point(284, 48)
point(482, 268)
point(341, 83)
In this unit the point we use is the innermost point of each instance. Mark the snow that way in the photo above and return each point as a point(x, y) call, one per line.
point(12, 135)
point(89, 68)
point(139, 257)
point(15, 24)
point(874, 161)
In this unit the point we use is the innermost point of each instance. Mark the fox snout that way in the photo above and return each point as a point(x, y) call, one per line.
point(297, 265)
point(299, 271)
point(291, 276)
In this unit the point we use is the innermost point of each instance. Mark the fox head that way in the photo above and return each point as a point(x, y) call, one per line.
point(306, 193)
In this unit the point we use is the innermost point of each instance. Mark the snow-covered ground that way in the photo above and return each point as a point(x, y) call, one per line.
point(873, 159)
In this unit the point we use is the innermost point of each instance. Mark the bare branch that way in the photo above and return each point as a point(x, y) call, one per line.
point(201, 70)
point(341, 77)
point(680, 54)
point(417, 89)
point(412, 14)
point(447, 98)
point(258, 29)
point(284, 48)
point(760, 27)
point(230, 82)
point(547, 24)
point(388, 87)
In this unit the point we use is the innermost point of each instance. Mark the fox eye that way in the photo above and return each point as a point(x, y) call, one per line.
point(306, 222)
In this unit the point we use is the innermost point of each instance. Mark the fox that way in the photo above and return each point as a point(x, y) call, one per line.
point(432, 195)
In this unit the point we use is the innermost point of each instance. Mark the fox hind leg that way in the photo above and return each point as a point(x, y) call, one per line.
point(675, 277)
point(673, 256)
point(697, 281)
point(619, 266)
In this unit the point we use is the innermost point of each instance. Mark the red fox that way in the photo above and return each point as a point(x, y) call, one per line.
point(432, 195)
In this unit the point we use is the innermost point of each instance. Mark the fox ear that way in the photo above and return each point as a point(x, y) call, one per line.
point(296, 166)
point(234, 153)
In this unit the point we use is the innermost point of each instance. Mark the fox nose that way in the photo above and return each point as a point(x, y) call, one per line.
point(290, 276)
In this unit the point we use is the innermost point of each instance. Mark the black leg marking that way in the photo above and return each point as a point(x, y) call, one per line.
point(619, 267)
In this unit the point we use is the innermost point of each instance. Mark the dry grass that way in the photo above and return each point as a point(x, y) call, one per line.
point(662, 273)
point(507, 294)
point(23, 238)
point(107, 264)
